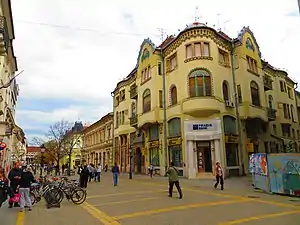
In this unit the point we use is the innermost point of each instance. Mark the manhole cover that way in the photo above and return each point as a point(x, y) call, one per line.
point(253, 196)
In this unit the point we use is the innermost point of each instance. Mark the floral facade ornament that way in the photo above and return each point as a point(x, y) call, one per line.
point(145, 55)
point(249, 44)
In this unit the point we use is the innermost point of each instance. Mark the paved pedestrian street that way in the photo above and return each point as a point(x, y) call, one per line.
point(145, 201)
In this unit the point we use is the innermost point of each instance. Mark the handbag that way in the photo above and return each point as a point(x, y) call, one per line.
point(15, 199)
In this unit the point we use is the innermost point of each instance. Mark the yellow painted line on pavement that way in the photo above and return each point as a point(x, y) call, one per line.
point(175, 208)
point(266, 216)
point(127, 201)
point(20, 218)
point(101, 216)
point(280, 204)
point(123, 193)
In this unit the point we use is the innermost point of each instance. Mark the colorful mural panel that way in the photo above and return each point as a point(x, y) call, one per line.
point(284, 173)
point(259, 169)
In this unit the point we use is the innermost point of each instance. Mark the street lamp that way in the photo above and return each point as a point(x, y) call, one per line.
point(130, 169)
point(43, 149)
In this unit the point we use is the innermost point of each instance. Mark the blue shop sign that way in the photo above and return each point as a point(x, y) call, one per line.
point(203, 126)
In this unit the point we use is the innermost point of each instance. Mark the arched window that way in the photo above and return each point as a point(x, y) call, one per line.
point(146, 101)
point(200, 83)
point(270, 102)
point(254, 93)
point(173, 95)
point(225, 88)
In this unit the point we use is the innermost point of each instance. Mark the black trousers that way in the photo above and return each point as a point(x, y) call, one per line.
point(220, 180)
point(171, 185)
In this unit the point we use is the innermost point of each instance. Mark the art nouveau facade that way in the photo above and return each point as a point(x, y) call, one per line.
point(10, 133)
point(200, 104)
point(98, 141)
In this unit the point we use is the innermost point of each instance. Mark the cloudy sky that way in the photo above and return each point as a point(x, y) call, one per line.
point(74, 52)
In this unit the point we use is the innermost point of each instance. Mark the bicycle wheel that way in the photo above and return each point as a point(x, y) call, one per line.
point(54, 196)
point(33, 198)
point(78, 196)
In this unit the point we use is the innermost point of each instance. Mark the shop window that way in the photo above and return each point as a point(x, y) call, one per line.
point(229, 123)
point(173, 95)
point(255, 93)
point(146, 101)
point(175, 155)
point(271, 102)
point(154, 156)
point(200, 83)
point(232, 158)
point(174, 127)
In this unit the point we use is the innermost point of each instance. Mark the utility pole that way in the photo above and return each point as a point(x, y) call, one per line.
point(236, 102)
point(165, 145)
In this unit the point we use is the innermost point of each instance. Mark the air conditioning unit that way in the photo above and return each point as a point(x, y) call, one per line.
point(229, 104)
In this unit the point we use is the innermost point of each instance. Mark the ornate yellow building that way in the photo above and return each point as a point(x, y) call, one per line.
point(98, 141)
point(10, 133)
point(201, 70)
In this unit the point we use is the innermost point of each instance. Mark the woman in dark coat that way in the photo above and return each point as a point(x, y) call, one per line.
point(84, 177)
point(4, 189)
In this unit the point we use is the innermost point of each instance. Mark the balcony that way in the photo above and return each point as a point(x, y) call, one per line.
point(133, 120)
point(271, 114)
point(133, 92)
point(201, 106)
point(4, 39)
point(267, 83)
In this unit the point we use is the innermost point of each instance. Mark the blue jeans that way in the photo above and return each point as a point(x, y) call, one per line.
point(115, 176)
point(98, 176)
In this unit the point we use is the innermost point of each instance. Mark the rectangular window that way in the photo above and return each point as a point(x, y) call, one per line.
point(239, 93)
point(286, 131)
point(149, 73)
point(154, 133)
point(293, 134)
point(160, 94)
point(252, 65)
point(173, 62)
point(288, 111)
point(123, 117)
point(223, 58)
point(290, 93)
point(189, 51)
point(298, 134)
point(281, 86)
point(159, 71)
point(232, 158)
point(206, 49)
point(197, 49)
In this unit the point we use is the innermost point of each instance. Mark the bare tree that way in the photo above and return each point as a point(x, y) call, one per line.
point(56, 136)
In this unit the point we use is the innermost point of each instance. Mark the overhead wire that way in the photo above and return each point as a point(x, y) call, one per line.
point(99, 32)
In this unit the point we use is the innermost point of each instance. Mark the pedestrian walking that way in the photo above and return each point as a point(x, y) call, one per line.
point(4, 189)
point(174, 180)
point(219, 176)
point(84, 177)
point(14, 176)
point(90, 169)
point(116, 172)
point(99, 170)
point(26, 180)
point(151, 170)
point(106, 167)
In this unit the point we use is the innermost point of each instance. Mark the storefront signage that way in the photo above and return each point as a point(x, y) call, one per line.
point(174, 141)
point(153, 144)
point(202, 126)
point(231, 138)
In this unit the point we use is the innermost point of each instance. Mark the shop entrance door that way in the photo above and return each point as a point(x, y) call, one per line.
point(204, 157)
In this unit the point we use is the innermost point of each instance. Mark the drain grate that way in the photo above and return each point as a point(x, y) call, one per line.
point(294, 200)
point(251, 196)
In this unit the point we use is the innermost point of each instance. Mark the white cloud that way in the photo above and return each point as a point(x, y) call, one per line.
point(86, 64)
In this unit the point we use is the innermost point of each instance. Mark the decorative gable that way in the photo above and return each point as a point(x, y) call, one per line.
point(144, 53)
point(252, 42)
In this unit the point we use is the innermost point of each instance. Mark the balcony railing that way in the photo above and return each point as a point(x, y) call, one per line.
point(4, 39)
point(268, 83)
point(133, 120)
point(133, 92)
point(272, 114)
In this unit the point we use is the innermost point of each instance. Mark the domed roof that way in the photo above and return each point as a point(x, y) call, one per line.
point(195, 24)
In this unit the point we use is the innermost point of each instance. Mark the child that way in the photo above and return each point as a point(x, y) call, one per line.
point(219, 176)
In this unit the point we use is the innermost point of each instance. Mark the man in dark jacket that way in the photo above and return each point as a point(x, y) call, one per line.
point(27, 179)
point(14, 176)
